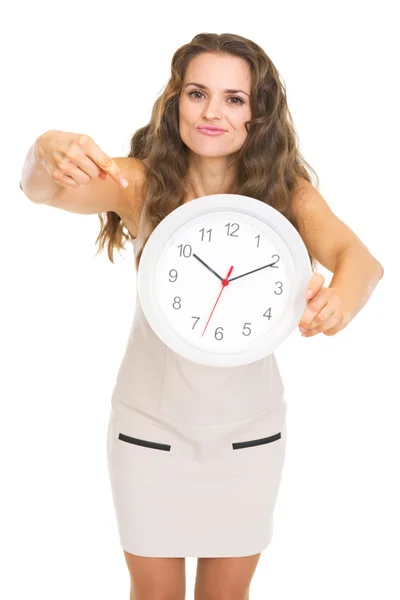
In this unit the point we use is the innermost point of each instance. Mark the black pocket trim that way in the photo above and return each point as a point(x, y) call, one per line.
point(267, 440)
point(138, 442)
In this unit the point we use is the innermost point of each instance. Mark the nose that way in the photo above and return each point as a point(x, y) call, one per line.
point(212, 110)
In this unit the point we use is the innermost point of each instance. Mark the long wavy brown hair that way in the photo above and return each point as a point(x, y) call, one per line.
point(267, 166)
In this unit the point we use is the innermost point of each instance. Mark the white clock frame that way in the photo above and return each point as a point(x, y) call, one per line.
point(297, 264)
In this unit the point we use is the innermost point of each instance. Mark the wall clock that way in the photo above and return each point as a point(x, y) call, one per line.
point(222, 278)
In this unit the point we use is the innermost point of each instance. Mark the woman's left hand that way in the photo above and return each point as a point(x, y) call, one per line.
point(324, 310)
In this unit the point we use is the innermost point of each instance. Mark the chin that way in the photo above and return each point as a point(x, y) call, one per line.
point(207, 151)
point(208, 154)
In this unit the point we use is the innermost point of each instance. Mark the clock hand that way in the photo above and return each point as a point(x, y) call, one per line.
point(225, 282)
point(254, 270)
point(209, 268)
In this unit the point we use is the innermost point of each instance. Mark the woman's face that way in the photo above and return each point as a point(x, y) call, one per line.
point(204, 100)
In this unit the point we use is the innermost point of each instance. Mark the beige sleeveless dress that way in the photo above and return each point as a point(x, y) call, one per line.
point(195, 453)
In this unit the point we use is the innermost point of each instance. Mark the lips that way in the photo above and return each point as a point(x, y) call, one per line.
point(209, 128)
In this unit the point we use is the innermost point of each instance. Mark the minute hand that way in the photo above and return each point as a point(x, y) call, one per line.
point(254, 270)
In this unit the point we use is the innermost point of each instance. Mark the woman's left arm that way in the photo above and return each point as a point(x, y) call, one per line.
point(355, 271)
point(331, 309)
point(355, 277)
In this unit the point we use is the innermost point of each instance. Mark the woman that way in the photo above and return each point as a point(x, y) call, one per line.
point(179, 487)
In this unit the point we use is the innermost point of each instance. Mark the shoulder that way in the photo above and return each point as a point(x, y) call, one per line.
point(300, 193)
point(325, 235)
point(307, 204)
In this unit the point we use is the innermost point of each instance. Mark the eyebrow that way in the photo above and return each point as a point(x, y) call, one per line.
point(204, 87)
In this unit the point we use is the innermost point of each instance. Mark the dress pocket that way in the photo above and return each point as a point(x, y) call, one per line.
point(137, 448)
point(146, 443)
point(265, 440)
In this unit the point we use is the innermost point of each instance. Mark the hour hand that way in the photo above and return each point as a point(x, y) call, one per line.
point(207, 266)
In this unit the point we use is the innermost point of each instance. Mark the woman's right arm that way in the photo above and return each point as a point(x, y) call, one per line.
point(35, 181)
point(69, 171)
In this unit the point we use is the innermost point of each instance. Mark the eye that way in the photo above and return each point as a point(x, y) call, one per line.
point(237, 98)
point(195, 92)
point(240, 101)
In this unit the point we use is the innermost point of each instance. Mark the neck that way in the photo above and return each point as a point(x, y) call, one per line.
point(208, 176)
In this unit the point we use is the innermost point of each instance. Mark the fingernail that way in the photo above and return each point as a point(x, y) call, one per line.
point(124, 182)
point(309, 293)
point(301, 329)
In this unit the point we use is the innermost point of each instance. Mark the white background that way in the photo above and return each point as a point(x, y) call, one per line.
point(97, 68)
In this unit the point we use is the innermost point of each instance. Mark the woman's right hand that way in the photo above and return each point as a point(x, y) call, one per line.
point(73, 159)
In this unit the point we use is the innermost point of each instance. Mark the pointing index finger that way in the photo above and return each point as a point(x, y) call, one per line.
point(106, 163)
point(109, 166)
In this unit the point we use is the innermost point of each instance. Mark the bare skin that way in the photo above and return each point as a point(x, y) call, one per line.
point(204, 101)
point(161, 578)
point(165, 578)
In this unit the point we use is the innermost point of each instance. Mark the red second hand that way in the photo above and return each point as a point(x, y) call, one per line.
point(225, 282)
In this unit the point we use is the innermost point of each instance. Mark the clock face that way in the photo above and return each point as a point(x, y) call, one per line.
point(221, 279)
point(190, 292)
